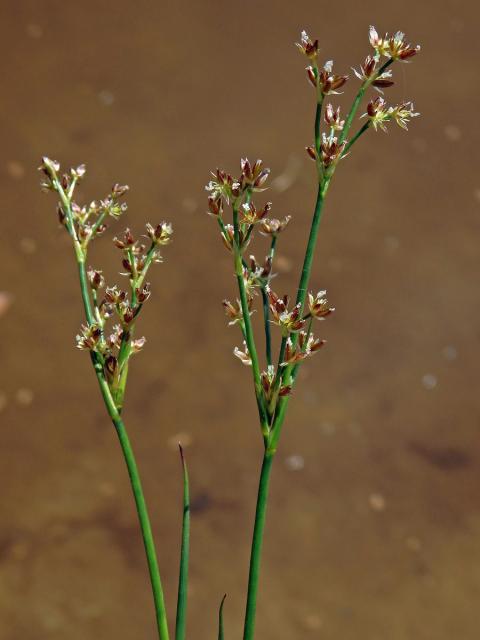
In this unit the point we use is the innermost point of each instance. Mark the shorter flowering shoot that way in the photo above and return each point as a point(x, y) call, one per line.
point(108, 334)
point(275, 373)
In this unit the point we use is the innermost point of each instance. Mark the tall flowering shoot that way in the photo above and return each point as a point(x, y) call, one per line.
point(111, 314)
point(233, 203)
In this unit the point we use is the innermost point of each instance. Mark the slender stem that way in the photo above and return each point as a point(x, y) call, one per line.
point(98, 222)
point(317, 127)
point(360, 132)
point(318, 120)
point(256, 552)
point(266, 308)
point(301, 296)
point(249, 335)
point(181, 620)
point(145, 526)
point(266, 321)
point(85, 291)
point(312, 241)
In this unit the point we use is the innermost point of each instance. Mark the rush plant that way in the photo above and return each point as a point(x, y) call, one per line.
point(275, 373)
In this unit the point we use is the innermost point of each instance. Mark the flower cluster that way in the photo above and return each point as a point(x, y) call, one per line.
point(306, 345)
point(288, 321)
point(323, 79)
point(308, 47)
point(379, 114)
point(226, 187)
point(333, 119)
point(111, 350)
point(271, 385)
point(394, 47)
point(84, 222)
point(274, 226)
point(327, 80)
point(318, 306)
point(368, 74)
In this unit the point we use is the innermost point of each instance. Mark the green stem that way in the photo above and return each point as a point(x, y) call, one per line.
point(312, 241)
point(181, 620)
point(301, 296)
point(266, 308)
point(145, 526)
point(256, 552)
point(249, 336)
point(266, 321)
point(360, 132)
point(318, 121)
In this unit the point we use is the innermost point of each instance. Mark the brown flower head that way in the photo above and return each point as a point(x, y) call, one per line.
point(394, 47)
point(329, 81)
point(308, 47)
point(307, 345)
point(253, 175)
point(331, 150)
point(161, 234)
point(318, 306)
point(273, 226)
point(333, 119)
point(289, 321)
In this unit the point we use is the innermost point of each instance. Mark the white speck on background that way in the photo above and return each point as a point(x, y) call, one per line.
point(429, 381)
point(5, 302)
point(295, 462)
point(28, 245)
point(106, 98)
point(377, 502)
point(15, 169)
point(24, 397)
point(34, 30)
point(450, 352)
point(452, 132)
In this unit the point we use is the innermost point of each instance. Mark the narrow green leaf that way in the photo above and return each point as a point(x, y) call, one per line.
point(184, 554)
point(220, 619)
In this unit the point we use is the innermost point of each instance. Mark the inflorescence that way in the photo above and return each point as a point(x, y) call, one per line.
point(330, 145)
point(111, 348)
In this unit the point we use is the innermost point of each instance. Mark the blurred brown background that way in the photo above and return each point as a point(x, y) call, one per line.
point(373, 530)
